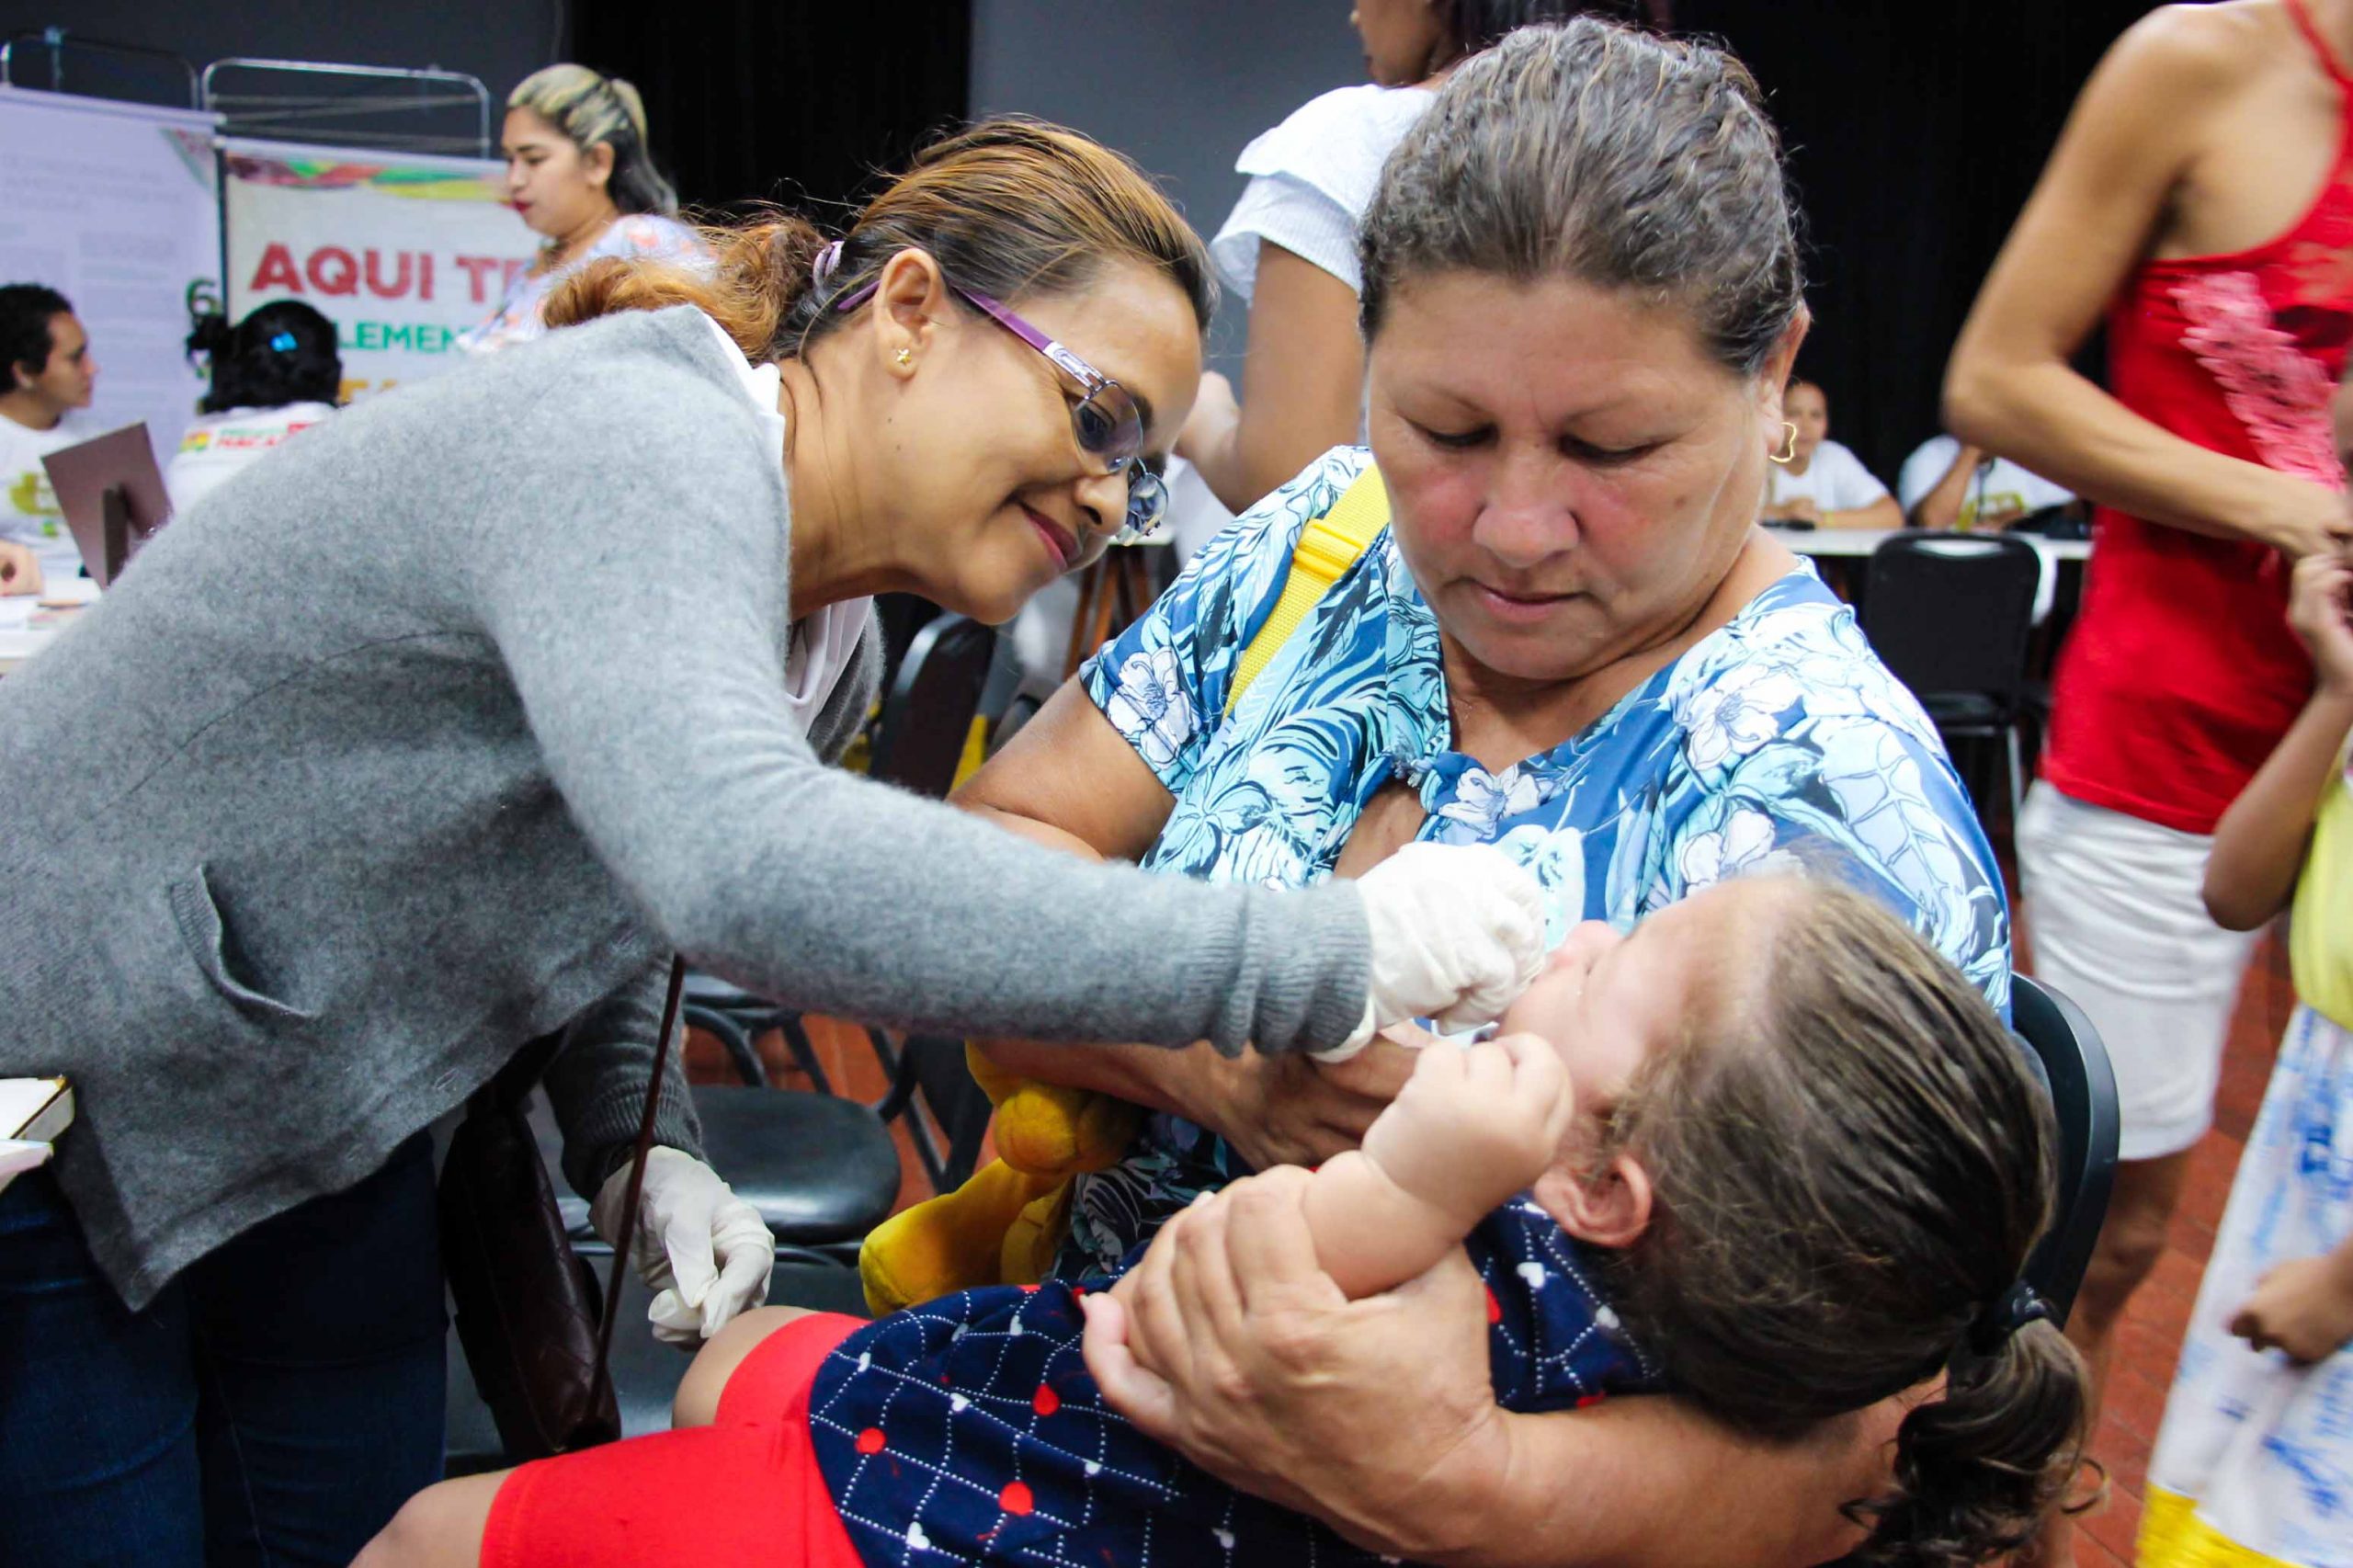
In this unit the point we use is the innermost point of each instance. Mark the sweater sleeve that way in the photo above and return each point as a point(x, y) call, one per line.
point(640, 610)
point(597, 1083)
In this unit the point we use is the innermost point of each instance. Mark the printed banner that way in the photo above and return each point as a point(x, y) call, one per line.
point(402, 251)
point(113, 205)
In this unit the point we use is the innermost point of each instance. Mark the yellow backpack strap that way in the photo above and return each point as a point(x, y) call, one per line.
point(1330, 545)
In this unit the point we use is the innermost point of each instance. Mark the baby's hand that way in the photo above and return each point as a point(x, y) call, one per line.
point(1475, 1125)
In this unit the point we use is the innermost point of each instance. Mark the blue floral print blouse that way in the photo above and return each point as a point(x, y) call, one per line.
point(1781, 729)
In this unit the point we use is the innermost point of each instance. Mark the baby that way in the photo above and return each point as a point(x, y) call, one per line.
point(1770, 1153)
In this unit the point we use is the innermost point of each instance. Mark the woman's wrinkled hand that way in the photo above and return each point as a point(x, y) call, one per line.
point(1290, 1110)
point(1228, 1344)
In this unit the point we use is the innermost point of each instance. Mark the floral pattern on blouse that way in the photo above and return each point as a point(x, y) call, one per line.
point(2269, 385)
point(640, 236)
point(1780, 740)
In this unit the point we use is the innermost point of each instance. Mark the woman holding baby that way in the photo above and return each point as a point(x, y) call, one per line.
point(1582, 301)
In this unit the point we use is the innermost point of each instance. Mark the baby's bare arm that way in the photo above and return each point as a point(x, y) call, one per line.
point(1473, 1127)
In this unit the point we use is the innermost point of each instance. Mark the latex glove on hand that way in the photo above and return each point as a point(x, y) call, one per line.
point(1457, 933)
point(704, 1251)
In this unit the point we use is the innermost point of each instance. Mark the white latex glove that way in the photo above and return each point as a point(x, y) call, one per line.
point(703, 1251)
point(1457, 933)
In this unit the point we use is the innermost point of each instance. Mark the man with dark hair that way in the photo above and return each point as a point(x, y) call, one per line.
point(45, 359)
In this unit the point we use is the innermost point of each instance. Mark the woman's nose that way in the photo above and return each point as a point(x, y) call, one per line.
point(1104, 497)
point(1525, 518)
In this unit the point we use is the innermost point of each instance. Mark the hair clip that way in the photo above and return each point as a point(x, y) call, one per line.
point(822, 269)
point(285, 343)
point(2017, 1307)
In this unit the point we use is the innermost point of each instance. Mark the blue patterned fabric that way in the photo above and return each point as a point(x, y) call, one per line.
point(968, 1428)
point(1780, 736)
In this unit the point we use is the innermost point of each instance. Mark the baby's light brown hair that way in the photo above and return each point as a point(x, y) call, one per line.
point(1850, 1161)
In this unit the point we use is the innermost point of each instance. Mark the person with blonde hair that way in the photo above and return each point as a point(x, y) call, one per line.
point(579, 172)
point(555, 650)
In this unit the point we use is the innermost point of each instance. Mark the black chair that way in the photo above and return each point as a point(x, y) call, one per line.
point(2083, 1091)
point(927, 717)
point(822, 1171)
point(1949, 614)
point(832, 1187)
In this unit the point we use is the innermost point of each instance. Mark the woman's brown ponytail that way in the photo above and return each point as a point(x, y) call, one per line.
point(756, 275)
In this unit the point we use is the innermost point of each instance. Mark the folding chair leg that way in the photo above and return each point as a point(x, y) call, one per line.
point(804, 1055)
point(2018, 774)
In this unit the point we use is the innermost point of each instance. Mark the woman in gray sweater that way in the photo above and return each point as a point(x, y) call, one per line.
point(439, 732)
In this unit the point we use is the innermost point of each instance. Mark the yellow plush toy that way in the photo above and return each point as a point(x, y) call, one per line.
point(1003, 1226)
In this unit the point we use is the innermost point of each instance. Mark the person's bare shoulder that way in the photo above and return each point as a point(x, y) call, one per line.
point(2206, 47)
point(2163, 81)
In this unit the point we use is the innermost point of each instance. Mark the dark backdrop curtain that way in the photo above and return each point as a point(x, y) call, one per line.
point(792, 102)
point(1917, 133)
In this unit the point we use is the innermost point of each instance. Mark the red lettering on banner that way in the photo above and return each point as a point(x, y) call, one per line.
point(275, 271)
point(376, 284)
point(425, 275)
point(333, 270)
point(473, 266)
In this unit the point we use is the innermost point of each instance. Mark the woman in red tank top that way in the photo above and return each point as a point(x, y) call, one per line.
point(2201, 196)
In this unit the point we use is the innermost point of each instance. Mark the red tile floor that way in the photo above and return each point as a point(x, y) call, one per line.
point(2147, 1344)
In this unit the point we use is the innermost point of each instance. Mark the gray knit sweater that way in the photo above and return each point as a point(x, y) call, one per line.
point(438, 731)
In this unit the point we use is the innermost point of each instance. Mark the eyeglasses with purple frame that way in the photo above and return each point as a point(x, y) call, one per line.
point(1106, 420)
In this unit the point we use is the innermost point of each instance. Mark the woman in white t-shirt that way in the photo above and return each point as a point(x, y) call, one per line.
point(48, 377)
point(1823, 483)
point(273, 374)
point(1290, 247)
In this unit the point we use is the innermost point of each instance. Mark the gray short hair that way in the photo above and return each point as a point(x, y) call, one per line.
point(1613, 156)
point(592, 110)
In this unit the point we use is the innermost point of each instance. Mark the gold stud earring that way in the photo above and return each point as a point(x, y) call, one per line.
point(1788, 445)
point(905, 358)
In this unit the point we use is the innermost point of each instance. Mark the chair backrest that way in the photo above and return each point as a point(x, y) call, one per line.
point(932, 704)
point(1951, 612)
point(2083, 1093)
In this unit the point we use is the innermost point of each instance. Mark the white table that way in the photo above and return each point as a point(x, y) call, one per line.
point(27, 627)
point(1855, 544)
point(1862, 541)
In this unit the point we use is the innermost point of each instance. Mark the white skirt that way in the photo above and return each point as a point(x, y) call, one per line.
point(2254, 1464)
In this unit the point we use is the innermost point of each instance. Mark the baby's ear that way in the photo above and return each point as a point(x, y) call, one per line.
point(1610, 1207)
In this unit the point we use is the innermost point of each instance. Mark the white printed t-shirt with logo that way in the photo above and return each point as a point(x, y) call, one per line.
point(28, 512)
point(218, 445)
point(2003, 486)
